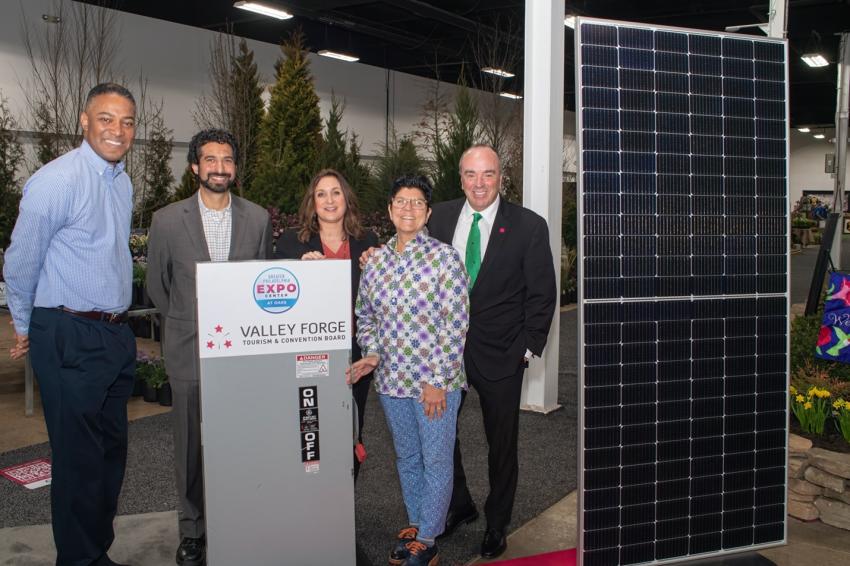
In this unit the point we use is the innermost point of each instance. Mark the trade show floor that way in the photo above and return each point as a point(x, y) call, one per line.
point(544, 515)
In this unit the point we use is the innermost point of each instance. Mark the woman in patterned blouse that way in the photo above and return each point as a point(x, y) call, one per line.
point(412, 315)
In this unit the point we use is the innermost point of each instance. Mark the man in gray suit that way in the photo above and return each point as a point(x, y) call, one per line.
point(211, 225)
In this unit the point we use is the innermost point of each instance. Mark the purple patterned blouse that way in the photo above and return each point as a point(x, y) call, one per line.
point(413, 311)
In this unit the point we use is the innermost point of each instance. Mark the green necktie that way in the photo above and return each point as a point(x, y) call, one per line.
point(473, 250)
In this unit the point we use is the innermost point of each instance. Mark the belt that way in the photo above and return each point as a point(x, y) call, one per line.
point(111, 318)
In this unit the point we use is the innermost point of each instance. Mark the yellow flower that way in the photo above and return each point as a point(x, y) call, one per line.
point(823, 394)
point(812, 390)
point(838, 403)
point(808, 405)
point(793, 390)
point(799, 398)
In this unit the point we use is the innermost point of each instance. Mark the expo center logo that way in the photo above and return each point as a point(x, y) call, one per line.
point(276, 290)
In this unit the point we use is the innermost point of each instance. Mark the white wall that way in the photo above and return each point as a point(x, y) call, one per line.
point(174, 58)
point(807, 164)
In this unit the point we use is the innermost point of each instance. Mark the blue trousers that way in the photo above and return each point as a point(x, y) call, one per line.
point(85, 371)
point(424, 458)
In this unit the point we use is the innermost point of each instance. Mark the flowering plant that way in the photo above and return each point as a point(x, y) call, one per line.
point(812, 409)
point(151, 369)
point(841, 412)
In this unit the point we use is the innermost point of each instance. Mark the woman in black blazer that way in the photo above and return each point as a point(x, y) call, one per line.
point(329, 227)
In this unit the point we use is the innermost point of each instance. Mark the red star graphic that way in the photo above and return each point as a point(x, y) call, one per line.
point(228, 343)
point(219, 328)
point(210, 344)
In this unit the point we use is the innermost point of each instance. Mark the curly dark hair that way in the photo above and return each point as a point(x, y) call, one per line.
point(211, 135)
point(412, 182)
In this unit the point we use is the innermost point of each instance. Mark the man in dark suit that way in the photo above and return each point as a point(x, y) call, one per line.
point(211, 225)
point(512, 301)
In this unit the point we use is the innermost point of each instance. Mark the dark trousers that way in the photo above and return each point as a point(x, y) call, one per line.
point(188, 457)
point(85, 372)
point(500, 402)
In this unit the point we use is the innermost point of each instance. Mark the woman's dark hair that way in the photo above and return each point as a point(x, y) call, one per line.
point(412, 182)
point(308, 220)
point(211, 135)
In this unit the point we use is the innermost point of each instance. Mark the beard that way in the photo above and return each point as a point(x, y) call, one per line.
point(217, 188)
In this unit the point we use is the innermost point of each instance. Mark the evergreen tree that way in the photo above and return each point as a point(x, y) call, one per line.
point(47, 147)
point(462, 132)
point(332, 154)
point(11, 158)
point(188, 185)
point(290, 133)
point(247, 112)
point(157, 175)
point(399, 157)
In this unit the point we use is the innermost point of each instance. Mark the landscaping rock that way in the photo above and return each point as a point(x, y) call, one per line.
point(797, 466)
point(802, 487)
point(835, 463)
point(803, 511)
point(798, 444)
point(833, 512)
point(799, 497)
point(845, 497)
point(824, 479)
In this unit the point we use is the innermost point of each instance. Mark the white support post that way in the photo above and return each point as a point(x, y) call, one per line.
point(543, 142)
point(777, 15)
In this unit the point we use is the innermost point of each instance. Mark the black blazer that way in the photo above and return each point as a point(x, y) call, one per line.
point(513, 300)
point(290, 247)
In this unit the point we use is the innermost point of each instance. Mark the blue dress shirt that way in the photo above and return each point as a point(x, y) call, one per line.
point(70, 245)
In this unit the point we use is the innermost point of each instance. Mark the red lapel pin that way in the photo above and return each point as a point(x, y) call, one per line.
point(501, 230)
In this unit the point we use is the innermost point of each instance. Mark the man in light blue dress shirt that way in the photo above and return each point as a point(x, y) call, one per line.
point(68, 277)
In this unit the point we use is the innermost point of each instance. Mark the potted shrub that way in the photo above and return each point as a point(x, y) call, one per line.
point(152, 370)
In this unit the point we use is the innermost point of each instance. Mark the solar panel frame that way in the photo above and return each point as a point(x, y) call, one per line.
point(706, 41)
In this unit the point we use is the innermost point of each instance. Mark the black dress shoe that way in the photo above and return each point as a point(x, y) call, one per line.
point(494, 543)
point(458, 517)
point(192, 551)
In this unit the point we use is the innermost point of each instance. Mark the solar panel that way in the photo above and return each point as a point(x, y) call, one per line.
point(683, 318)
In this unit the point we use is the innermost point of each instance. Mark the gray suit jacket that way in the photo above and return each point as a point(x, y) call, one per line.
point(176, 243)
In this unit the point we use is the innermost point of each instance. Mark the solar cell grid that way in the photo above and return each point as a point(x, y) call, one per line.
point(684, 306)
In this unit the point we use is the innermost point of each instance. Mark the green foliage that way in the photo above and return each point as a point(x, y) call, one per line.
point(188, 185)
point(151, 370)
point(247, 95)
point(157, 176)
point(140, 270)
point(397, 158)
point(290, 133)
point(47, 146)
point(804, 337)
point(332, 154)
point(811, 409)
point(11, 158)
point(341, 151)
point(461, 132)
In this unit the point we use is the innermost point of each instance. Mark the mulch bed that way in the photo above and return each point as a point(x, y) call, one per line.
point(831, 439)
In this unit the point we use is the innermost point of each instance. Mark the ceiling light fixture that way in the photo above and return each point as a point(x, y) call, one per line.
point(511, 95)
point(570, 22)
point(814, 60)
point(819, 136)
point(340, 56)
point(497, 72)
point(804, 130)
point(264, 9)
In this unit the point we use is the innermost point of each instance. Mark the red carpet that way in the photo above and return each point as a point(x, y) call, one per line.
point(559, 558)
